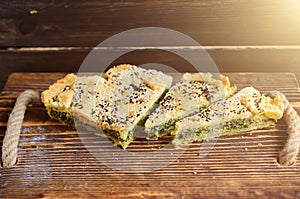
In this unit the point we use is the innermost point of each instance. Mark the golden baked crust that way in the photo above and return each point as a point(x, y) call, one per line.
point(114, 72)
point(58, 98)
point(246, 110)
point(60, 90)
point(115, 104)
point(135, 92)
point(189, 110)
point(86, 91)
point(194, 92)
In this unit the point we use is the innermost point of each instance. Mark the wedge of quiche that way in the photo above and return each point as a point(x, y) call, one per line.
point(115, 103)
point(58, 99)
point(135, 91)
point(246, 110)
point(73, 96)
point(193, 93)
point(87, 91)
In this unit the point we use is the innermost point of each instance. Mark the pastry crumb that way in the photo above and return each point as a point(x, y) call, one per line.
point(33, 12)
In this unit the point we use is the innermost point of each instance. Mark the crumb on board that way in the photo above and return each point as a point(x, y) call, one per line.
point(32, 12)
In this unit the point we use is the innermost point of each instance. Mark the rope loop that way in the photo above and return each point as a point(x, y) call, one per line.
point(14, 124)
point(288, 155)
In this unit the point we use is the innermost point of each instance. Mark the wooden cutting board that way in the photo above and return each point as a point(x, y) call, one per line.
point(54, 162)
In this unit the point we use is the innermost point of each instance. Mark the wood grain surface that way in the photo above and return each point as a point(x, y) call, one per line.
point(241, 36)
point(54, 162)
point(77, 23)
point(227, 59)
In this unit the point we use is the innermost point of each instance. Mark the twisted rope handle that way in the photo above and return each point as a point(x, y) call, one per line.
point(14, 124)
point(288, 154)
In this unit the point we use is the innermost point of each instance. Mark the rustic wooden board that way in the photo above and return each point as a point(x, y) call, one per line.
point(53, 162)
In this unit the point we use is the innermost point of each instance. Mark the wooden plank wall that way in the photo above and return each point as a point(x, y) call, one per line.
point(239, 35)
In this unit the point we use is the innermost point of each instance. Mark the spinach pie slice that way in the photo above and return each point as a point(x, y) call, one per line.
point(87, 90)
point(193, 93)
point(135, 92)
point(246, 110)
point(58, 99)
point(116, 103)
point(74, 97)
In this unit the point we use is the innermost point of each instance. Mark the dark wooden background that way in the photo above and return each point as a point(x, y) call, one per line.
point(49, 35)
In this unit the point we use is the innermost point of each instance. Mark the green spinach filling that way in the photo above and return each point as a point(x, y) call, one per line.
point(190, 135)
point(159, 131)
point(67, 118)
point(62, 116)
point(233, 126)
point(113, 135)
point(242, 125)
